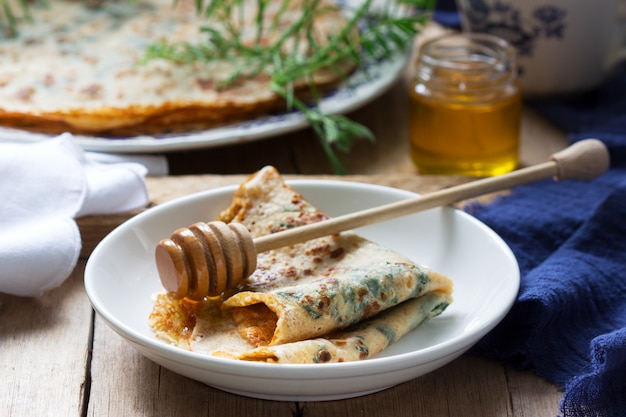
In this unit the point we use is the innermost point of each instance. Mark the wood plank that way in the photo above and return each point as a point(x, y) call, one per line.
point(532, 396)
point(468, 386)
point(539, 139)
point(242, 158)
point(44, 344)
point(127, 384)
point(163, 189)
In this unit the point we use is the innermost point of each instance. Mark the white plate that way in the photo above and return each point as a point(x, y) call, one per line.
point(359, 89)
point(121, 278)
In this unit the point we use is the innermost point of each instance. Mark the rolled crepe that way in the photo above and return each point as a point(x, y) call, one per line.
point(310, 289)
point(333, 299)
point(359, 342)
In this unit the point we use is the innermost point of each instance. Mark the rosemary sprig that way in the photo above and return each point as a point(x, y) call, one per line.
point(14, 12)
point(296, 53)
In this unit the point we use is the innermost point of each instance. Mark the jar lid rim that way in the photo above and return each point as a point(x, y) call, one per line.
point(447, 50)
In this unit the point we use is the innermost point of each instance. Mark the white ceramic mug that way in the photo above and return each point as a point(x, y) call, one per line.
point(564, 46)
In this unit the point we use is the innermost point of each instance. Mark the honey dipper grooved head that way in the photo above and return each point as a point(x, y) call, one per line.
point(205, 259)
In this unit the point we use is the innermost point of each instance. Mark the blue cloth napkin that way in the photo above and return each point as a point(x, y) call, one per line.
point(569, 320)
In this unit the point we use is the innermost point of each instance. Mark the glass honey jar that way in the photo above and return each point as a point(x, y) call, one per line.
point(465, 106)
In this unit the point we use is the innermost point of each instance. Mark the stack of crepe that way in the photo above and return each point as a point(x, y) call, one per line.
point(80, 67)
point(333, 299)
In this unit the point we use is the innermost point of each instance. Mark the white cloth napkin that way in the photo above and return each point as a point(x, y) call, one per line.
point(43, 187)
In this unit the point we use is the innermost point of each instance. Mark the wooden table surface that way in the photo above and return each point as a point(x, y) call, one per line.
point(58, 358)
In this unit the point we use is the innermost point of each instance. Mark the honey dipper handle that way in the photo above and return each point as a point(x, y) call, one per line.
point(583, 160)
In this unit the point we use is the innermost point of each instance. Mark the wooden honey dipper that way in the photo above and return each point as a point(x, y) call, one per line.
point(208, 258)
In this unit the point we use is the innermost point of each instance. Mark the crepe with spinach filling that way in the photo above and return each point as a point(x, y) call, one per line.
point(308, 302)
point(359, 342)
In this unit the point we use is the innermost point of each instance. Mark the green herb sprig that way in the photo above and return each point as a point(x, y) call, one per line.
point(296, 53)
point(15, 12)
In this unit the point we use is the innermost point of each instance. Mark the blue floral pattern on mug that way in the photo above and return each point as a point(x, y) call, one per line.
point(505, 21)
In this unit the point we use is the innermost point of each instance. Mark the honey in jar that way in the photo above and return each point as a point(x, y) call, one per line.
point(465, 106)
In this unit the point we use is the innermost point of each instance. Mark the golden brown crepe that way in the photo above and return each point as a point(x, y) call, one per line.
point(358, 342)
point(76, 68)
point(306, 303)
